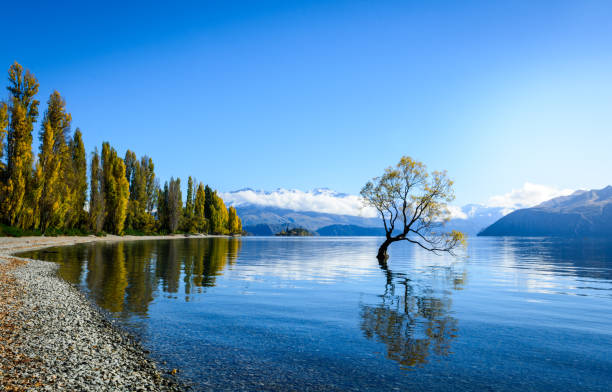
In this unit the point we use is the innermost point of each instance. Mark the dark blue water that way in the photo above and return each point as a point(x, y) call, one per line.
point(322, 314)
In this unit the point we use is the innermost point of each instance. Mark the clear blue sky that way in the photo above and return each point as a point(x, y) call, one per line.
point(313, 94)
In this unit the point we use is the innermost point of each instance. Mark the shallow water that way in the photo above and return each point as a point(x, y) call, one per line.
point(320, 313)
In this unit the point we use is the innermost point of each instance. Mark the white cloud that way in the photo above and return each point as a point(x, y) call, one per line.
point(456, 212)
point(318, 200)
point(328, 201)
point(528, 196)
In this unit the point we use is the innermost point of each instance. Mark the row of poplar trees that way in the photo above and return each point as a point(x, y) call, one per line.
point(48, 192)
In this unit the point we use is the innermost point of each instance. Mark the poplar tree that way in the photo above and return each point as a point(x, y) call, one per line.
point(78, 179)
point(131, 163)
point(189, 222)
point(151, 185)
point(53, 171)
point(23, 112)
point(4, 121)
point(208, 205)
point(198, 210)
point(234, 224)
point(219, 215)
point(162, 207)
point(96, 194)
point(141, 177)
point(189, 201)
point(116, 190)
point(130, 167)
point(123, 195)
point(174, 204)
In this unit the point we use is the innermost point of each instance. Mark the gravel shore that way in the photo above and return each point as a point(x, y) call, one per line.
point(53, 339)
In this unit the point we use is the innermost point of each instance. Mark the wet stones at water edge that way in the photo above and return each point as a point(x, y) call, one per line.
point(51, 338)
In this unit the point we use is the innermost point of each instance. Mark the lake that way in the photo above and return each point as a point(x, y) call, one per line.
point(319, 313)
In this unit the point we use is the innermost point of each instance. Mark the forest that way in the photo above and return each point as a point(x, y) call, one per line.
point(50, 193)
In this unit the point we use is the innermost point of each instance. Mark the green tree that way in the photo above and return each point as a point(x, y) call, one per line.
point(53, 173)
point(199, 215)
point(208, 205)
point(234, 224)
point(96, 194)
point(162, 207)
point(78, 180)
point(174, 204)
point(116, 190)
point(413, 206)
point(189, 221)
point(189, 201)
point(151, 184)
point(4, 122)
point(23, 112)
point(137, 217)
point(219, 215)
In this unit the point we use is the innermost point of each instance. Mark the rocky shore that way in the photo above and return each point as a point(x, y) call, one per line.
point(53, 339)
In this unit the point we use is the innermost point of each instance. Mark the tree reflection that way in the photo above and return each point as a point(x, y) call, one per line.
point(123, 277)
point(206, 260)
point(107, 276)
point(411, 320)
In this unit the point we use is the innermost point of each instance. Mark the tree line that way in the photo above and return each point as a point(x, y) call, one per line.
point(48, 192)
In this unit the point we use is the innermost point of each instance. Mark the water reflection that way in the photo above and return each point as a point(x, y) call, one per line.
point(123, 277)
point(412, 320)
point(322, 314)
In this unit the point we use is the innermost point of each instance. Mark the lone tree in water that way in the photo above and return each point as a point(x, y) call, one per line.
point(413, 207)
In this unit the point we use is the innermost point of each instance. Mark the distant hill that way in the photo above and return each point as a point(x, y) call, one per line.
point(261, 229)
point(350, 230)
point(280, 218)
point(581, 214)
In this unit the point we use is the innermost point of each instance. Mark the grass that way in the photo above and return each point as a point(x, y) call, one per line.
point(10, 231)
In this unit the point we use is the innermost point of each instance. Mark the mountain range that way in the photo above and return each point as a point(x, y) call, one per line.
point(332, 214)
point(328, 213)
point(581, 214)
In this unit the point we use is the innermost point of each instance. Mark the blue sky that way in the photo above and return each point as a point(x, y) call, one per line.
point(266, 94)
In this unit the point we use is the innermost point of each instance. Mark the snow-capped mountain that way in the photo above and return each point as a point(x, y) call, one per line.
point(265, 212)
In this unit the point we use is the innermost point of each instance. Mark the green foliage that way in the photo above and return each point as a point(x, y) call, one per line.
point(201, 222)
point(10, 231)
point(54, 173)
point(219, 215)
point(23, 112)
point(162, 207)
point(234, 224)
point(139, 175)
point(413, 206)
point(78, 181)
point(49, 196)
point(4, 122)
point(116, 190)
point(174, 204)
point(96, 194)
point(189, 222)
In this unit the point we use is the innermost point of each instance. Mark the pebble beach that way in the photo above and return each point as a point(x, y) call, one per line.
point(52, 338)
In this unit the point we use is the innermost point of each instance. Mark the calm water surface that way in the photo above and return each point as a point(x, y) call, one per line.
point(321, 314)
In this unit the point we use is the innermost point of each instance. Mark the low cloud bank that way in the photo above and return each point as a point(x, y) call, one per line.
point(331, 202)
point(529, 195)
point(318, 200)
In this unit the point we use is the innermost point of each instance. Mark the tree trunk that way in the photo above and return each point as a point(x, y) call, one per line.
point(382, 251)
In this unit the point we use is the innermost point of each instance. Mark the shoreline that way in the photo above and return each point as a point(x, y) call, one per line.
point(53, 338)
